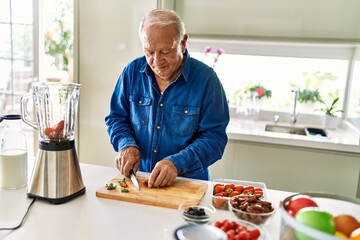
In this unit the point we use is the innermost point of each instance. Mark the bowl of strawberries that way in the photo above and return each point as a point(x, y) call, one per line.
point(224, 189)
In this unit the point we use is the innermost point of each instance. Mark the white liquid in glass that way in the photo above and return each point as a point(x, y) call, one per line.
point(13, 169)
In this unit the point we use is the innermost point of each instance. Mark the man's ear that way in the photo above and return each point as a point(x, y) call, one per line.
point(184, 43)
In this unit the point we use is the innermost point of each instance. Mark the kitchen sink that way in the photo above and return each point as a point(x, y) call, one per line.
point(305, 131)
point(285, 129)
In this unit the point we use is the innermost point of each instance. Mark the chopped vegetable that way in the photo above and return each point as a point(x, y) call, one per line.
point(124, 190)
point(123, 183)
point(110, 186)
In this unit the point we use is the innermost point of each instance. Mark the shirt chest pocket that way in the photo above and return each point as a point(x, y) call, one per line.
point(185, 120)
point(139, 109)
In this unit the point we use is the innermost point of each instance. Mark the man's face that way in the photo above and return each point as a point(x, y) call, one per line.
point(163, 51)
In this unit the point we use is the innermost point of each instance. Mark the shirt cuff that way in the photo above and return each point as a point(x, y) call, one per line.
point(126, 142)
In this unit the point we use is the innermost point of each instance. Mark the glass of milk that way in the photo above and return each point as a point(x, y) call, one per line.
point(13, 154)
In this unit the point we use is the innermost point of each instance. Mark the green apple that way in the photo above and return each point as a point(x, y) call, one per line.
point(315, 218)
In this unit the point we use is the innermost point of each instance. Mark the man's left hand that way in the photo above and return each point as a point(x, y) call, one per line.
point(163, 175)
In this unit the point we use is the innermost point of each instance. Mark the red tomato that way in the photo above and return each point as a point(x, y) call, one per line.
point(228, 225)
point(218, 189)
point(247, 192)
point(244, 235)
point(221, 194)
point(231, 186)
point(224, 229)
point(249, 188)
point(235, 224)
point(218, 224)
point(233, 193)
point(240, 228)
point(239, 188)
point(237, 237)
point(255, 233)
point(218, 184)
point(230, 233)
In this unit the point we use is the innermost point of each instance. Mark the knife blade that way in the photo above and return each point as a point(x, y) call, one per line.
point(134, 180)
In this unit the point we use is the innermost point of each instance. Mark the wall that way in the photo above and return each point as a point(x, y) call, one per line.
point(107, 41)
point(305, 19)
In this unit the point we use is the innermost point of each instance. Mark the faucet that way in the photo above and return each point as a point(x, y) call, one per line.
point(294, 115)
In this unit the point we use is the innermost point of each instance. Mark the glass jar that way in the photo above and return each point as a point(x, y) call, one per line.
point(13, 154)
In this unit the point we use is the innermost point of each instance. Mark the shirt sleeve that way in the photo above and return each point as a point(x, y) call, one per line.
point(211, 137)
point(118, 120)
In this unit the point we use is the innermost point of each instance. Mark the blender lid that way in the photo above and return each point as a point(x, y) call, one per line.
point(10, 117)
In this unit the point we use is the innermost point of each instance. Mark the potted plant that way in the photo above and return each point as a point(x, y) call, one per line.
point(259, 91)
point(331, 120)
point(309, 90)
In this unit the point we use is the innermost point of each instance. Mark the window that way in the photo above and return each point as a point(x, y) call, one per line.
point(16, 53)
point(18, 59)
point(319, 71)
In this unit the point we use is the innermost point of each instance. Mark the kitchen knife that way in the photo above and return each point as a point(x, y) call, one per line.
point(134, 180)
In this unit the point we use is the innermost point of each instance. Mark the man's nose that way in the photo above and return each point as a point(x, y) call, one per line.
point(157, 58)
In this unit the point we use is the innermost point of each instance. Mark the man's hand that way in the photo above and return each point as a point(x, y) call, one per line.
point(128, 158)
point(164, 174)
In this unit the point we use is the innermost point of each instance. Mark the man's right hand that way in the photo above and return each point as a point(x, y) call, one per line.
point(128, 158)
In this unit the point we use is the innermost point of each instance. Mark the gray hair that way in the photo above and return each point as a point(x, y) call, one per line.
point(163, 17)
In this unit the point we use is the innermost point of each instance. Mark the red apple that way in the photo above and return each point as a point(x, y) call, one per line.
point(298, 202)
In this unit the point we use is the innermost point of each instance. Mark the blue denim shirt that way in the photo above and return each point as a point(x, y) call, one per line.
point(186, 124)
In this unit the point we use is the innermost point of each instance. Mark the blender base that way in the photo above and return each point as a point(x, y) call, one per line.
point(58, 200)
point(56, 176)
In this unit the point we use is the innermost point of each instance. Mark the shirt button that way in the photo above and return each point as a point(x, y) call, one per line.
point(140, 102)
point(155, 151)
point(158, 127)
point(186, 111)
point(161, 104)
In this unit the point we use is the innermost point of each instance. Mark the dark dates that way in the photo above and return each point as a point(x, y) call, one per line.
point(251, 209)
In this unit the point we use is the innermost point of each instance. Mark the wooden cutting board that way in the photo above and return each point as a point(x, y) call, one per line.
point(183, 190)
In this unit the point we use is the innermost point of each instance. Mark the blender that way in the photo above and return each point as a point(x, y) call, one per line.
point(56, 176)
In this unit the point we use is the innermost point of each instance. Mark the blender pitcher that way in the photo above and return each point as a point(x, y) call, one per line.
point(56, 176)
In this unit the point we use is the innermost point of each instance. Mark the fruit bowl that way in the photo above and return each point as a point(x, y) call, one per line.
point(221, 196)
point(196, 213)
point(333, 204)
point(252, 209)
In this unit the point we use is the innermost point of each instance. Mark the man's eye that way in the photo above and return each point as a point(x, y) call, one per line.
point(165, 52)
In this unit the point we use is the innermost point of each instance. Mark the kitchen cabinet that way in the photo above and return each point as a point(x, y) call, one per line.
point(296, 169)
point(330, 20)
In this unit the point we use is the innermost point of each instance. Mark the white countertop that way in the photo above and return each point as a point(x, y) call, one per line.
point(344, 139)
point(89, 217)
